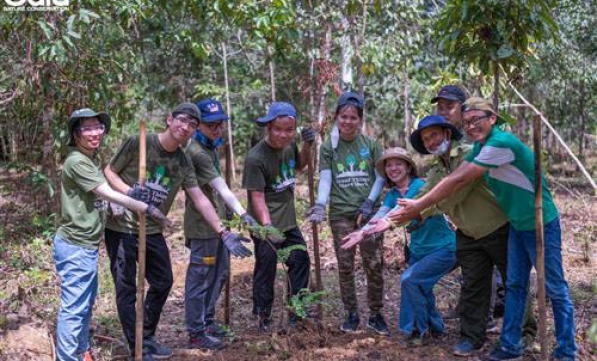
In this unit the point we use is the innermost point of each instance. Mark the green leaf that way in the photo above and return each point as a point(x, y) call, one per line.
point(45, 27)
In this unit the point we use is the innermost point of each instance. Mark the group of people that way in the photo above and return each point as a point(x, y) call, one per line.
point(473, 209)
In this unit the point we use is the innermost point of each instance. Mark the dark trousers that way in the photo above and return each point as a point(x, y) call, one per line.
point(122, 250)
point(477, 259)
point(208, 270)
point(264, 275)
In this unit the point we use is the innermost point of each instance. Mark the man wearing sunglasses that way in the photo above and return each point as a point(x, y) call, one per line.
point(209, 263)
point(507, 166)
point(168, 169)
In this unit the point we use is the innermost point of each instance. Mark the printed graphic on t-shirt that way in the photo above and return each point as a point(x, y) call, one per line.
point(159, 184)
point(354, 171)
point(286, 177)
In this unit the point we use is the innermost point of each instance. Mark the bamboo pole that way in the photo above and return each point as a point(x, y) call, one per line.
point(558, 137)
point(139, 307)
point(230, 145)
point(314, 231)
point(540, 262)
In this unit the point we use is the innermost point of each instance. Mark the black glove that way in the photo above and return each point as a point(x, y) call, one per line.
point(232, 241)
point(307, 134)
point(366, 209)
point(157, 215)
point(139, 193)
point(317, 213)
point(249, 221)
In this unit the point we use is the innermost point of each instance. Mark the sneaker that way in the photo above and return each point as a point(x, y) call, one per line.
point(217, 330)
point(464, 348)
point(206, 342)
point(416, 340)
point(86, 356)
point(498, 354)
point(378, 324)
point(156, 350)
point(492, 327)
point(351, 323)
point(265, 323)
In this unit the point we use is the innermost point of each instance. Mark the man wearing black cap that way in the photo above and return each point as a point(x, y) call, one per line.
point(168, 169)
point(449, 100)
point(269, 177)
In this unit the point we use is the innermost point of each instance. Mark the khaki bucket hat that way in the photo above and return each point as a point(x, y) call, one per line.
point(399, 153)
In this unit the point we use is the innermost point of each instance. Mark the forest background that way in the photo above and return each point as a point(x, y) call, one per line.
point(137, 59)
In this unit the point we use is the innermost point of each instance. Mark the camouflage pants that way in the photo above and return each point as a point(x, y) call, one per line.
point(372, 256)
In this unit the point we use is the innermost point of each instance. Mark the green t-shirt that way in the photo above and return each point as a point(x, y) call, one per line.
point(273, 171)
point(166, 173)
point(83, 213)
point(353, 173)
point(473, 209)
point(204, 163)
point(511, 177)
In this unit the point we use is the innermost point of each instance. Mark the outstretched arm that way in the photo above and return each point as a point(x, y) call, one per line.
point(229, 198)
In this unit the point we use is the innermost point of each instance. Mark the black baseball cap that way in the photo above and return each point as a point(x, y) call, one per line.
point(189, 109)
point(450, 92)
point(350, 98)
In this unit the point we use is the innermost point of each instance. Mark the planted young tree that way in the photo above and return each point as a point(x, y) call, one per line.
point(494, 34)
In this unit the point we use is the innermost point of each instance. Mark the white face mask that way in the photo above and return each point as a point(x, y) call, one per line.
point(441, 149)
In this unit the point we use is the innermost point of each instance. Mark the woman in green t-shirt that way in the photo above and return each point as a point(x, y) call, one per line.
point(348, 178)
point(83, 191)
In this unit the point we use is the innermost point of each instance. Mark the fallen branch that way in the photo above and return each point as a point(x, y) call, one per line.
point(558, 137)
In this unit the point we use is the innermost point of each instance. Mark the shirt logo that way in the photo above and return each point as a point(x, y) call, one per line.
point(364, 152)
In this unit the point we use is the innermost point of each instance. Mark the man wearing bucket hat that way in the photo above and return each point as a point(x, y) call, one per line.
point(482, 234)
point(168, 169)
point(347, 177)
point(209, 263)
point(83, 191)
point(269, 177)
point(430, 254)
point(507, 166)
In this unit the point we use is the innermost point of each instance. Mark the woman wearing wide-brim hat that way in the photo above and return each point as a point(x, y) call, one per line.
point(430, 255)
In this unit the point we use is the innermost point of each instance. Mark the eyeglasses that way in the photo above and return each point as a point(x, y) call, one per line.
point(215, 126)
point(474, 121)
point(98, 129)
point(185, 119)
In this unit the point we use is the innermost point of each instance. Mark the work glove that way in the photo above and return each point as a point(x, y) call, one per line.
point(139, 193)
point(158, 216)
point(232, 241)
point(249, 221)
point(316, 214)
point(308, 134)
point(365, 210)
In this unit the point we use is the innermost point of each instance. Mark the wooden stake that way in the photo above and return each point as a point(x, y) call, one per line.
point(540, 262)
point(139, 307)
point(314, 231)
point(229, 174)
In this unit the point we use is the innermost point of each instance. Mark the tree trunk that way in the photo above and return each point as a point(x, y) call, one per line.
point(496, 85)
point(230, 145)
point(272, 71)
point(407, 115)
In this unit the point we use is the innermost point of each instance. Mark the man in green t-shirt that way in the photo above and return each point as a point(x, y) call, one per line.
point(209, 263)
point(269, 177)
point(168, 169)
point(507, 166)
point(83, 193)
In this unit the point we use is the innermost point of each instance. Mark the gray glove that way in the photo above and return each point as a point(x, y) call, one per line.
point(232, 241)
point(139, 193)
point(157, 215)
point(317, 213)
point(307, 134)
point(366, 209)
point(249, 221)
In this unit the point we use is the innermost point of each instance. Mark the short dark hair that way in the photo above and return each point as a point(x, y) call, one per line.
point(359, 110)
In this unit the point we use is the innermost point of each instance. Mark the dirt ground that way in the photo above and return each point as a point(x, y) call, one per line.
point(29, 302)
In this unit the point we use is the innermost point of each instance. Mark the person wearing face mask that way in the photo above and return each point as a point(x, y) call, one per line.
point(430, 254)
point(482, 228)
point(348, 178)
